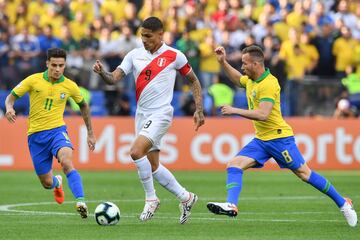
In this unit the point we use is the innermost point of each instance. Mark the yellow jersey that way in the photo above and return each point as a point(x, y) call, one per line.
point(47, 100)
point(266, 88)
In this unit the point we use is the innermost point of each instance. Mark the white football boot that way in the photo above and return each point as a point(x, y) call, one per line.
point(149, 209)
point(186, 206)
point(349, 212)
point(226, 208)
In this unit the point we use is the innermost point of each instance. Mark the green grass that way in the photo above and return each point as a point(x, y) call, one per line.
point(273, 205)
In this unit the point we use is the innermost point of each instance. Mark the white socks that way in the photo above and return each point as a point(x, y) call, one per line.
point(168, 181)
point(145, 174)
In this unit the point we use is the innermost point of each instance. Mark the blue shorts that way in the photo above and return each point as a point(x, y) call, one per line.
point(283, 150)
point(45, 145)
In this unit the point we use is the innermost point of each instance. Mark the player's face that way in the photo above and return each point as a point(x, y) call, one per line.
point(56, 67)
point(151, 40)
point(248, 65)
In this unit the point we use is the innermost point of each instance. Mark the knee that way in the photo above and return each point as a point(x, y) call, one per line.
point(154, 166)
point(233, 163)
point(240, 162)
point(304, 176)
point(136, 153)
point(67, 166)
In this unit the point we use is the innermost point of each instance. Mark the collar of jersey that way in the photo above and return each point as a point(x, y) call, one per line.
point(157, 51)
point(46, 77)
point(264, 75)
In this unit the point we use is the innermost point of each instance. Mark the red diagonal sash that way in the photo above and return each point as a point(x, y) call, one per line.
point(153, 69)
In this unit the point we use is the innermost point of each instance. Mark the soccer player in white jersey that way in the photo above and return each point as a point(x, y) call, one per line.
point(154, 68)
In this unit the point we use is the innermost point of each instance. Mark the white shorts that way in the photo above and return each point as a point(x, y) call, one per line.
point(153, 125)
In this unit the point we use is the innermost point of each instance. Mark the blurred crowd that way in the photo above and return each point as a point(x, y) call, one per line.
point(300, 38)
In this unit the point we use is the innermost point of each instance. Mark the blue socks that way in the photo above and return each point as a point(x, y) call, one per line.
point(234, 184)
point(75, 184)
point(323, 185)
point(55, 182)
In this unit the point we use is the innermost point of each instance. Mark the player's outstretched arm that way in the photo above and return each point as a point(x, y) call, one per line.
point(10, 111)
point(108, 77)
point(233, 74)
point(85, 113)
point(199, 118)
point(260, 114)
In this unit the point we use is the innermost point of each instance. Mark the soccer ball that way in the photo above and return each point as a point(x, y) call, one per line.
point(107, 213)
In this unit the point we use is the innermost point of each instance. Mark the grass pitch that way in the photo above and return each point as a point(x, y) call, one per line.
point(273, 205)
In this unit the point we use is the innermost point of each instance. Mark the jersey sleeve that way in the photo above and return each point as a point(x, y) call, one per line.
point(75, 94)
point(127, 63)
point(22, 88)
point(269, 91)
point(243, 81)
point(181, 64)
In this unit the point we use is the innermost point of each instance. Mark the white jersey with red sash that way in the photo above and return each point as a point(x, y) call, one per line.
point(154, 75)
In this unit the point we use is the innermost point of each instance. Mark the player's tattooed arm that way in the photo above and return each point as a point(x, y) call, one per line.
point(196, 89)
point(199, 118)
point(108, 77)
point(85, 113)
point(112, 77)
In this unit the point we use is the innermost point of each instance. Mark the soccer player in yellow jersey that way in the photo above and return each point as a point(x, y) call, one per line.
point(273, 136)
point(47, 135)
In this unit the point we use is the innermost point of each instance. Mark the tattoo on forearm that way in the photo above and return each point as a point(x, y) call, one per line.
point(196, 89)
point(107, 77)
point(85, 112)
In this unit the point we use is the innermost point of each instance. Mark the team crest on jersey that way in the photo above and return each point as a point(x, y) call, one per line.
point(253, 94)
point(161, 62)
point(62, 95)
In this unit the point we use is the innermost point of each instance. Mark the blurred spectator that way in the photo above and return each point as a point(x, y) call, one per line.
point(8, 74)
point(74, 59)
point(191, 50)
point(122, 106)
point(351, 81)
point(84, 6)
point(47, 40)
point(297, 65)
point(233, 55)
point(221, 94)
point(343, 50)
point(112, 7)
point(26, 52)
point(89, 46)
point(78, 26)
point(324, 42)
point(62, 8)
point(343, 12)
point(276, 65)
point(131, 18)
point(34, 7)
point(352, 84)
point(310, 51)
point(127, 42)
point(344, 110)
point(108, 49)
point(209, 66)
point(53, 18)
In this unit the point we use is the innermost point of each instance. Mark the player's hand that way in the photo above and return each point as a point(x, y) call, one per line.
point(98, 67)
point(227, 110)
point(10, 115)
point(220, 54)
point(199, 119)
point(91, 140)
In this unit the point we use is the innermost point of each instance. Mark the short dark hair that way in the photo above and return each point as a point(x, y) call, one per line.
point(56, 53)
point(255, 52)
point(153, 23)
